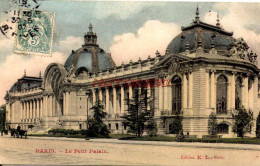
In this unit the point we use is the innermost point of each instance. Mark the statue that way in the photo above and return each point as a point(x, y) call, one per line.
point(239, 49)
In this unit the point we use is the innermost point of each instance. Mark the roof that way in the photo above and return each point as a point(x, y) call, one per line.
point(25, 83)
point(90, 57)
point(200, 33)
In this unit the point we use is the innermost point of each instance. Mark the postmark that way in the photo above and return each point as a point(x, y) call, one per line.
point(35, 32)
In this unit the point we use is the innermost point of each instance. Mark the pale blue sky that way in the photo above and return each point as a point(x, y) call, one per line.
point(113, 18)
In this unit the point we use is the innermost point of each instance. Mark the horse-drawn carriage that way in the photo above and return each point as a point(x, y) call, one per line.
point(18, 132)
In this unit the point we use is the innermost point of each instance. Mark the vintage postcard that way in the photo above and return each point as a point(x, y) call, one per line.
point(129, 83)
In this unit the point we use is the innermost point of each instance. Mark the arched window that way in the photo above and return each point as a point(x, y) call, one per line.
point(238, 93)
point(222, 128)
point(221, 103)
point(176, 95)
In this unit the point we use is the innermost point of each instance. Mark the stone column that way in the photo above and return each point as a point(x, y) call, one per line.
point(122, 99)
point(51, 105)
point(233, 91)
point(44, 113)
point(41, 104)
point(130, 92)
point(245, 92)
point(191, 88)
point(229, 95)
point(37, 109)
point(149, 97)
point(64, 103)
point(59, 113)
point(100, 94)
point(184, 91)
point(54, 110)
point(94, 96)
point(27, 110)
point(13, 112)
point(212, 90)
point(67, 102)
point(160, 95)
point(107, 99)
point(165, 95)
point(22, 103)
point(251, 94)
point(31, 109)
point(21, 110)
point(114, 99)
point(207, 90)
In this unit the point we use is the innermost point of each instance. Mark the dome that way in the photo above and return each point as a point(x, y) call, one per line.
point(200, 33)
point(90, 57)
point(208, 39)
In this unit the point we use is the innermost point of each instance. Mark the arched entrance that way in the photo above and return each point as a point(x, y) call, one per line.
point(176, 95)
point(221, 103)
point(223, 128)
point(238, 93)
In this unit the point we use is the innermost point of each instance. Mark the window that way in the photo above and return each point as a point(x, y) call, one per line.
point(176, 95)
point(124, 126)
point(221, 103)
point(223, 128)
point(109, 126)
point(116, 126)
point(80, 126)
point(238, 93)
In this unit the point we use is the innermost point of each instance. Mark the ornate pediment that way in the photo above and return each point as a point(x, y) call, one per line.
point(174, 66)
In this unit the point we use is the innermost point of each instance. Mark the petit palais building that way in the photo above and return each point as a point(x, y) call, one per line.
point(205, 70)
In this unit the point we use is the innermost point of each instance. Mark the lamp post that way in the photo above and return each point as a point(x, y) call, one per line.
point(87, 94)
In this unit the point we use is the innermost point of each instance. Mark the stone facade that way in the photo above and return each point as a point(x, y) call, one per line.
point(204, 70)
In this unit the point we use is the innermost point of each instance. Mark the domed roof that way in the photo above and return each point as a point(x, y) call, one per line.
point(90, 57)
point(200, 33)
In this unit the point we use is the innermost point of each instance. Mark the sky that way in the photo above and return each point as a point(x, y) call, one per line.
point(128, 30)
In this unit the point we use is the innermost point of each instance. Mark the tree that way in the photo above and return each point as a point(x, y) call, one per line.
point(212, 124)
point(258, 126)
point(2, 119)
point(137, 114)
point(243, 121)
point(151, 128)
point(176, 126)
point(96, 126)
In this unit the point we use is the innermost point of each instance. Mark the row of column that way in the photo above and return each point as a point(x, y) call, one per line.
point(211, 91)
point(31, 109)
point(114, 92)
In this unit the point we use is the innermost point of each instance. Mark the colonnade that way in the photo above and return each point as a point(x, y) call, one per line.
point(211, 89)
point(31, 109)
point(119, 95)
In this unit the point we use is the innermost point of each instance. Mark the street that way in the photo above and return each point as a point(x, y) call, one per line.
point(83, 152)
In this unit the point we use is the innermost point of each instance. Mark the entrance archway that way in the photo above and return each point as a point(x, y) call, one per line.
point(221, 103)
point(176, 95)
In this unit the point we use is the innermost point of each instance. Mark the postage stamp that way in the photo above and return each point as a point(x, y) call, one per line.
point(35, 33)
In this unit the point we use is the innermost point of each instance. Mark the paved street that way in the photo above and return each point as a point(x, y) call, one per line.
point(27, 151)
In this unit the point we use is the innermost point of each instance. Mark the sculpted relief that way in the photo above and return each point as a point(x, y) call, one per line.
point(239, 49)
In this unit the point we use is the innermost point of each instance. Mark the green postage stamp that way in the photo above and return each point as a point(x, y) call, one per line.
point(35, 33)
